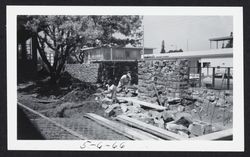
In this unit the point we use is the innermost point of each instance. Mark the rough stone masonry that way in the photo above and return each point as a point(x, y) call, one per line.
point(103, 71)
point(170, 77)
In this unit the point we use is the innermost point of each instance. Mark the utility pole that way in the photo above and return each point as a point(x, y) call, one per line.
point(143, 42)
point(187, 44)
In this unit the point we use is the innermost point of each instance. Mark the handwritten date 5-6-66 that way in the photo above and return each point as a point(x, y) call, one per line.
point(101, 145)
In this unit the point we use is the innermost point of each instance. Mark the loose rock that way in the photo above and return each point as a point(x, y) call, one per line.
point(200, 128)
point(110, 111)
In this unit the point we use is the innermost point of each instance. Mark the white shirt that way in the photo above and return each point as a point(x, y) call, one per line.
point(125, 79)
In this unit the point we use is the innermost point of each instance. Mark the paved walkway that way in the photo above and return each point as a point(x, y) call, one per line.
point(84, 127)
point(35, 127)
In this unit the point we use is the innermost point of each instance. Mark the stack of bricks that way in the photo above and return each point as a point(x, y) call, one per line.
point(170, 78)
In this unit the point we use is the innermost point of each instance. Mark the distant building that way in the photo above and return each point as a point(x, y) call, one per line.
point(222, 42)
point(114, 54)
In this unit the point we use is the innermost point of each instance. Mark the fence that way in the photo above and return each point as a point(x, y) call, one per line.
point(211, 77)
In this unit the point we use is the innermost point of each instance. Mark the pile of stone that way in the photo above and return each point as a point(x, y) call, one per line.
point(204, 96)
point(175, 121)
point(129, 109)
point(170, 78)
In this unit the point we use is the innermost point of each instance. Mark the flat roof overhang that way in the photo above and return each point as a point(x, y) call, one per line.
point(214, 53)
point(221, 38)
point(101, 61)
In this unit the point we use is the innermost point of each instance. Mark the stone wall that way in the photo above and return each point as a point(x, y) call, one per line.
point(84, 72)
point(170, 78)
point(101, 72)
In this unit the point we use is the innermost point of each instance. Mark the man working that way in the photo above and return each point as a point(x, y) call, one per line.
point(124, 81)
point(111, 90)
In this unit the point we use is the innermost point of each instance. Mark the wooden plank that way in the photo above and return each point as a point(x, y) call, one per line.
point(220, 135)
point(150, 128)
point(156, 92)
point(54, 122)
point(142, 103)
point(45, 101)
point(121, 128)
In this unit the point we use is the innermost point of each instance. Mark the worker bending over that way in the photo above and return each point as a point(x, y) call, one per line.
point(111, 90)
point(124, 82)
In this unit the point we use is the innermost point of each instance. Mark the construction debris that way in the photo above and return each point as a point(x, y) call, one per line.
point(110, 111)
point(142, 103)
point(200, 128)
point(175, 127)
point(121, 128)
point(163, 133)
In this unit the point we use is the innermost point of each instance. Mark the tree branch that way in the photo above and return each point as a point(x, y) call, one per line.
point(53, 33)
point(42, 54)
point(46, 41)
point(68, 50)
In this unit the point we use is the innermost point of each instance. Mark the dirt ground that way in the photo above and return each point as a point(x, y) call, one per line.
point(74, 103)
point(66, 108)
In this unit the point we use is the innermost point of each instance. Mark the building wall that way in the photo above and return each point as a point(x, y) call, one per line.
point(193, 64)
point(148, 51)
point(96, 54)
point(125, 54)
point(106, 53)
point(103, 53)
point(216, 62)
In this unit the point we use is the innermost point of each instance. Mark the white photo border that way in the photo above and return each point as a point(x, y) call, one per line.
point(237, 144)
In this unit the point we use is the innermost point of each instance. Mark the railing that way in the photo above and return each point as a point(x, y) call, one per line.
point(211, 77)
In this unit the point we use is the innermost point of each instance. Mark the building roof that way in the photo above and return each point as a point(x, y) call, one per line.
point(92, 48)
point(221, 38)
point(212, 53)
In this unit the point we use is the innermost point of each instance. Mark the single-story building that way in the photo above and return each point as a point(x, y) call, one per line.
point(114, 53)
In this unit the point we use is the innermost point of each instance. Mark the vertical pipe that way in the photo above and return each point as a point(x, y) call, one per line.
point(188, 75)
point(111, 54)
point(34, 54)
point(200, 76)
point(228, 78)
point(143, 43)
point(213, 79)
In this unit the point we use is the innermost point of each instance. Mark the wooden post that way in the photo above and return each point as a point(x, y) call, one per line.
point(200, 76)
point(213, 79)
point(34, 55)
point(111, 54)
point(228, 78)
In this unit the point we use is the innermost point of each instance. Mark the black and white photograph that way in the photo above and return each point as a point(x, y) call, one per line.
point(121, 78)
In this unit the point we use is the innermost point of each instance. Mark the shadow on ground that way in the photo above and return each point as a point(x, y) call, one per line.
point(25, 129)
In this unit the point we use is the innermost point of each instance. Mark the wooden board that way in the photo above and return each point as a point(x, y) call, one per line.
point(121, 128)
point(142, 103)
point(220, 135)
point(149, 128)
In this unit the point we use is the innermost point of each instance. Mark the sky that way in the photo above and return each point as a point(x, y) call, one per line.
point(189, 33)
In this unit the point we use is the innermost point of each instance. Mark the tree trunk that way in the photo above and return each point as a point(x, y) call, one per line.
point(54, 79)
